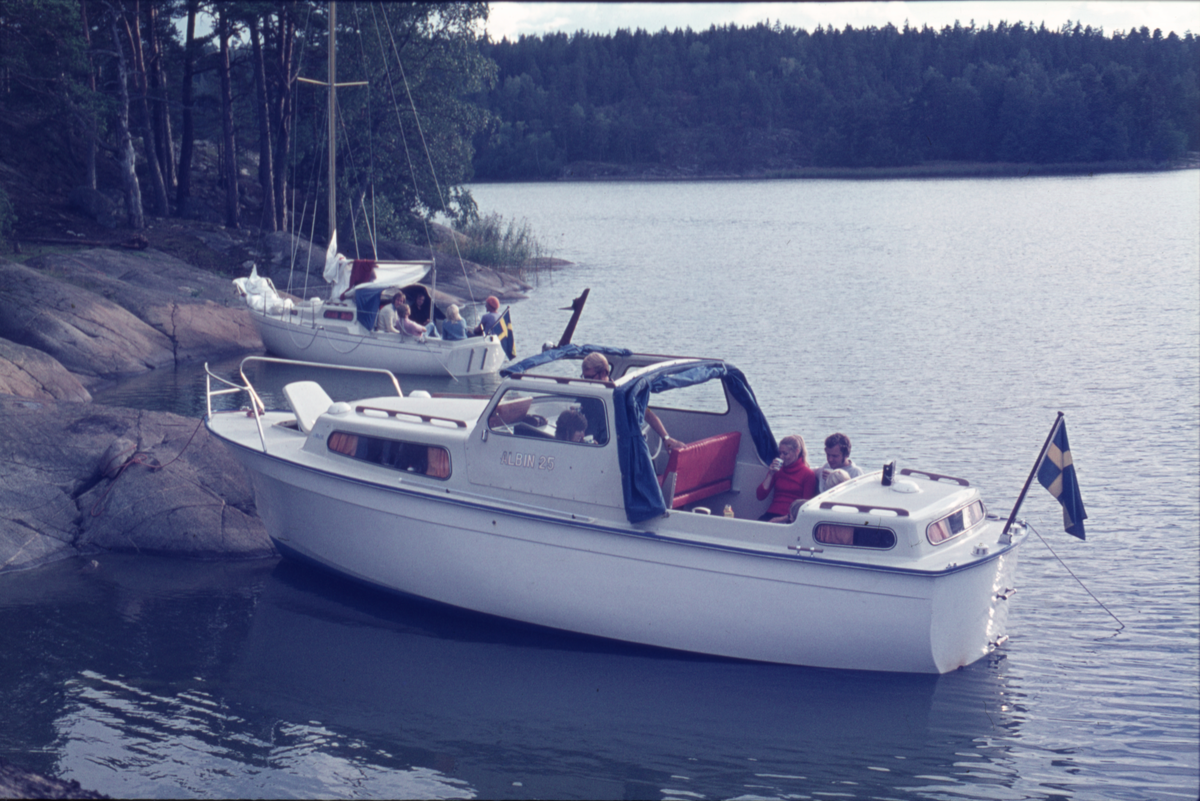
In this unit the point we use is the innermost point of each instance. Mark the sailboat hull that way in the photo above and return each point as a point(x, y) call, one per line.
point(305, 340)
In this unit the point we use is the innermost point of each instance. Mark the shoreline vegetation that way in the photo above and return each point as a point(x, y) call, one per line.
point(596, 171)
point(501, 244)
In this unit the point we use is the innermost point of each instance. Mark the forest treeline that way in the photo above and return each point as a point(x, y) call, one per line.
point(770, 98)
point(127, 96)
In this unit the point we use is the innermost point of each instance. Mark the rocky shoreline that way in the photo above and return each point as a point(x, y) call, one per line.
point(17, 782)
point(78, 477)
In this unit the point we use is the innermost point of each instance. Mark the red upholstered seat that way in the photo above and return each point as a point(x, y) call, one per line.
point(700, 469)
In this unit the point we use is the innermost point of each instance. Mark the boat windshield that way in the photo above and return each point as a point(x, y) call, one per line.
point(551, 415)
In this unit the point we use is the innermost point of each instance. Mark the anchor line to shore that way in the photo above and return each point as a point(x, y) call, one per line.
point(1081, 584)
point(96, 511)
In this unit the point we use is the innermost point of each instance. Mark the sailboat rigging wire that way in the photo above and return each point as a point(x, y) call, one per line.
point(424, 144)
point(1081, 584)
point(373, 222)
point(314, 178)
point(341, 119)
point(296, 245)
point(295, 95)
point(300, 235)
point(312, 232)
point(369, 222)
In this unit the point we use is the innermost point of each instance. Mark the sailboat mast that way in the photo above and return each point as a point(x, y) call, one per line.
point(332, 126)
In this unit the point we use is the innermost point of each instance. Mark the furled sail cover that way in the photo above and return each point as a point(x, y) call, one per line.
point(643, 497)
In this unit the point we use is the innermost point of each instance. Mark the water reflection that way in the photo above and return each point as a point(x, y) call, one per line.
point(156, 741)
point(272, 679)
point(504, 702)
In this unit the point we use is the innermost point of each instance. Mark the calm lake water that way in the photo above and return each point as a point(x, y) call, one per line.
point(941, 323)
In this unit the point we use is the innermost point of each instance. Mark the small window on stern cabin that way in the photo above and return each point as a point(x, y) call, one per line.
point(411, 457)
point(855, 536)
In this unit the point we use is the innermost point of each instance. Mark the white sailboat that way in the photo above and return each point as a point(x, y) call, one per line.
point(339, 330)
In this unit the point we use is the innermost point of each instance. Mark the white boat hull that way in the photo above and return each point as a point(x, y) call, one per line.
point(300, 339)
point(644, 586)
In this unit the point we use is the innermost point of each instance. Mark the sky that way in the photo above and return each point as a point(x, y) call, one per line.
point(513, 19)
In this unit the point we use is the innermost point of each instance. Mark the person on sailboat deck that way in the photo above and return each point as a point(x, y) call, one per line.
point(386, 321)
point(453, 328)
point(417, 302)
point(595, 367)
point(837, 454)
point(393, 319)
point(406, 325)
point(416, 306)
point(789, 477)
point(570, 426)
point(488, 321)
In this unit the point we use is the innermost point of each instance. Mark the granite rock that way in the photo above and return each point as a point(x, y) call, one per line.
point(82, 478)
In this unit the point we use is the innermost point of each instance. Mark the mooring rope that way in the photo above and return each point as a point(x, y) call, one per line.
point(329, 339)
point(1081, 584)
point(96, 511)
point(315, 330)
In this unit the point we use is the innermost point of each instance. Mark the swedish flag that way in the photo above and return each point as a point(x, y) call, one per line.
point(1057, 474)
point(503, 328)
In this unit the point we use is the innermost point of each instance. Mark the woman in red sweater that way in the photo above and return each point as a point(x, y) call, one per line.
point(789, 476)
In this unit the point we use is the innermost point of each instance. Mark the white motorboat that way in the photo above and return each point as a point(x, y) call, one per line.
point(474, 502)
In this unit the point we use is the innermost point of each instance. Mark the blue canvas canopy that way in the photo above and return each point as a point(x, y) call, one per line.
point(639, 483)
point(564, 352)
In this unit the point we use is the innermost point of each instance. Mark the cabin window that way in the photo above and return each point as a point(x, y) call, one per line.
point(411, 457)
point(951, 526)
point(339, 315)
point(569, 418)
point(857, 536)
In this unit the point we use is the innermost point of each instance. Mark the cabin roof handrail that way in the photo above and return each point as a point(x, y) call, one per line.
point(865, 508)
point(908, 471)
point(425, 418)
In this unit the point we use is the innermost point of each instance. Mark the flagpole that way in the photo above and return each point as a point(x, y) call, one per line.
point(1021, 498)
